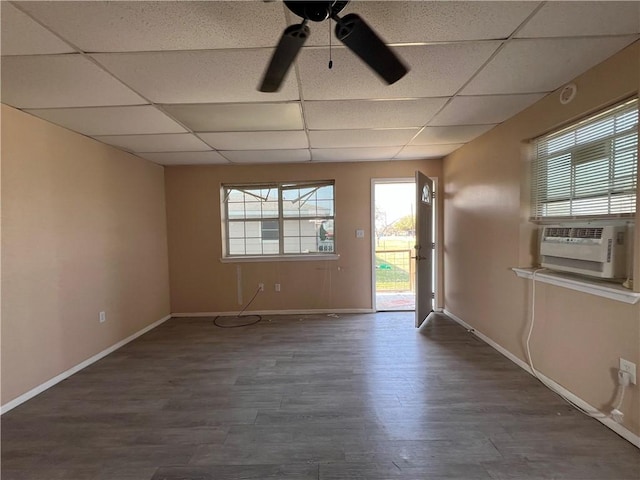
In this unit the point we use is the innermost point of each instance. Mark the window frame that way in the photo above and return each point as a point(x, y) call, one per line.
point(576, 153)
point(280, 218)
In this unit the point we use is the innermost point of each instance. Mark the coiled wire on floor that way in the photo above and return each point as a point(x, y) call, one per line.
point(258, 318)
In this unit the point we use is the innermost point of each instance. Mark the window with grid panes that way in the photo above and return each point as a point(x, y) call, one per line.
point(588, 169)
point(295, 218)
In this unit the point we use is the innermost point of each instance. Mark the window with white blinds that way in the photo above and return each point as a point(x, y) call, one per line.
point(588, 169)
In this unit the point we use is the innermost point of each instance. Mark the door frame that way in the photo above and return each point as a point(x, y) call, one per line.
point(436, 231)
point(438, 253)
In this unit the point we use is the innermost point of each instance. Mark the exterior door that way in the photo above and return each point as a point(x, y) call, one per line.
point(424, 247)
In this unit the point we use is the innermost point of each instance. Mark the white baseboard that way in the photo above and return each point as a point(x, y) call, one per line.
point(616, 427)
point(276, 312)
point(66, 374)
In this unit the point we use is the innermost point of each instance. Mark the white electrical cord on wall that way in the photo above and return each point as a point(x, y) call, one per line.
point(623, 378)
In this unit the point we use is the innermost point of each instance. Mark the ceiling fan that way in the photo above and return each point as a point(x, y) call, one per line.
point(350, 30)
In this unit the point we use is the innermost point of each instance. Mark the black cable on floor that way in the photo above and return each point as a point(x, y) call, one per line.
point(259, 317)
point(215, 321)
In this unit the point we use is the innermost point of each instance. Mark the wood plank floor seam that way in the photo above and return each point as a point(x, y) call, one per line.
point(308, 397)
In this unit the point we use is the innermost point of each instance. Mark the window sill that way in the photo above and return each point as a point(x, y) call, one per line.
point(281, 258)
point(594, 287)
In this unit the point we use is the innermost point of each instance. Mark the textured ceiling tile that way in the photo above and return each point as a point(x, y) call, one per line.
point(22, 36)
point(238, 117)
point(426, 151)
point(267, 156)
point(278, 140)
point(185, 158)
point(569, 19)
point(152, 26)
point(197, 76)
point(450, 135)
point(46, 81)
point(361, 138)
point(111, 120)
point(172, 142)
point(435, 71)
point(428, 21)
point(371, 114)
point(203, 61)
point(353, 154)
point(542, 65)
point(490, 109)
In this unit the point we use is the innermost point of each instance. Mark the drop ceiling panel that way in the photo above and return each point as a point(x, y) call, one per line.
point(153, 26)
point(23, 36)
point(111, 120)
point(45, 81)
point(426, 151)
point(489, 109)
point(353, 154)
point(238, 117)
point(436, 70)
point(197, 76)
point(423, 21)
point(358, 114)
point(542, 65)
point(256, 140)
point(185, 158)
point(171, 142)
point(567, 19)
point(361, 138)
point(201, 62)
point(267, 156)
point(450, 134)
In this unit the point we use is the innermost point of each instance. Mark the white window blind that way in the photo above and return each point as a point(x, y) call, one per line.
point(588, 169)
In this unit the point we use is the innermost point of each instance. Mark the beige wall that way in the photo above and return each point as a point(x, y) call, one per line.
point(83, 231)
point(578, 337)
point(201, 283)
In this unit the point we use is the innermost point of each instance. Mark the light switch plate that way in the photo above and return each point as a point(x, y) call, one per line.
point(359, 233)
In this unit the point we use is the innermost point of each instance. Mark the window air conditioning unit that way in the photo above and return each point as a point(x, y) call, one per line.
point(598, 251)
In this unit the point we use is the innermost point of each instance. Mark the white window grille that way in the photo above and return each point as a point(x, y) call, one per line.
point(294, 218)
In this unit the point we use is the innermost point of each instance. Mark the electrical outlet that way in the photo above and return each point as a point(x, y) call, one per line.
point(277, 287)
point(103, 317)
point(261, 287)
point(630, 368)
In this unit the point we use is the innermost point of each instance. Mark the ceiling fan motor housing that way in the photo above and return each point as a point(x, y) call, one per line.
point(315, 11)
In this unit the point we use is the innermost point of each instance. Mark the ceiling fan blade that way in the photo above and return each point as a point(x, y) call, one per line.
point(290, 43)
point(360, 38)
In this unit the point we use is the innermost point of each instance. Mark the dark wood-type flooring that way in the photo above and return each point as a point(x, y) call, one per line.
point(306, 398)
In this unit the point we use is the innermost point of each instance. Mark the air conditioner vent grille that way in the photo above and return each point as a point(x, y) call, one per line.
point(557, 232)
point(573, 232)
point(587, 232)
